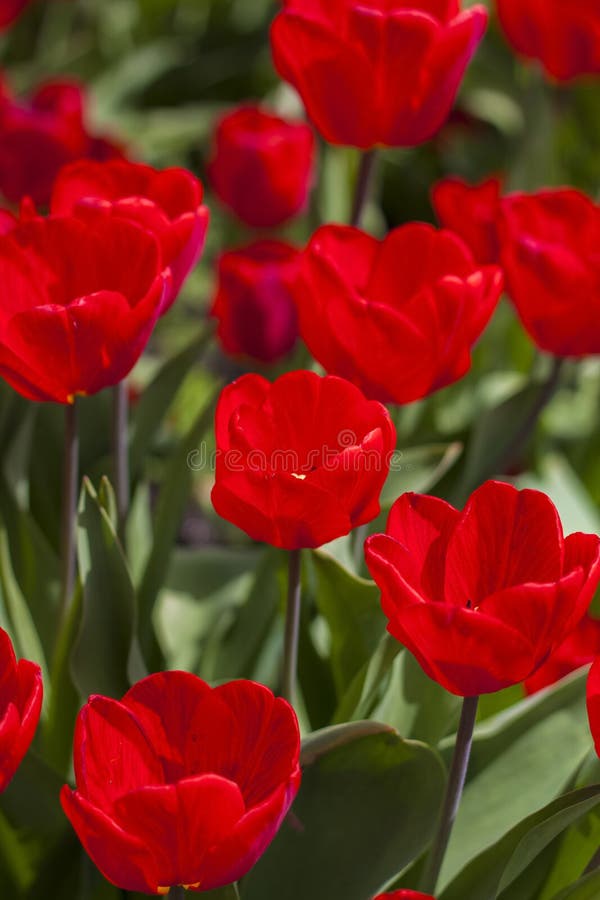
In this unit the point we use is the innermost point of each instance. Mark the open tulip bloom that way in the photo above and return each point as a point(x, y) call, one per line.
point(396, 317)
point(181, 784)
point(482, 597)
point(376, 72)
point(81, 299)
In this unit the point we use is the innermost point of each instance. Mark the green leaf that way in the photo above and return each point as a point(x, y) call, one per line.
point(365, 809)
point(419, 469)
point(154, 403)
point(587, 888)
point(105, 648)
point(491, 874)
point(518, 762)
point(174, 495)
point(350, 606)
point(23, 630)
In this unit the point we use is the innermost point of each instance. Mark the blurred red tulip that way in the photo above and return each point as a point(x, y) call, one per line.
point(376, 72)
point(471, 211)
point(79, 302)
point(262, 166)
point(483, 597)
point(11, 10)
point(564, 35)
point(166, 203)
point(40, 135)
point(404, 895)
point(301, 461)
point(181, 784)
point(21, 692)
point(254, 303)
point(398, 318)
point(550, 250)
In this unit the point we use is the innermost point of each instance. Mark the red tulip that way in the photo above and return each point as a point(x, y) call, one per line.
point(579, 649)
point(471, 211)
point(40, 135)
point(168, 204)
point(550, 253)
point(11, 10)
point(482, 597)
point(180, 784)
point(376, 72)
point(301, 461)
point(80, 301)
point(404, 895)
point(593, 702)
point(262, 166)
point(399, 317)
point(254, 302)
point(564, 35)
point(21, 692)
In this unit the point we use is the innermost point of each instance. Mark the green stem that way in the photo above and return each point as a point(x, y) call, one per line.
point(69, 506)
point(364, 182)
point(454, 789)
point(121, 455)
point(177, 892)
point(292, 627)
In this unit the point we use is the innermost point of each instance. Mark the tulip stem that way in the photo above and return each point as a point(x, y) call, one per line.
point(177, 892)
point(292, 627)
point(454, 789)
point(121, 455)
point(364, 181)
point(69, 505)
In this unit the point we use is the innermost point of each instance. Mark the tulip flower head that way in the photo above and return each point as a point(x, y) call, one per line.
point(181, 784)
point(377, 72)
point(261, 166)
point(20, 706)
point(301, 461)
point(397, 317)
point(482, 597)
point(167, 203)
point(254, 303)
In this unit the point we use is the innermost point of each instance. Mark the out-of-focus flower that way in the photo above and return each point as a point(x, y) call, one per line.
point(396, 317)
point(564, 35)
point(482, 597)
point(79, 302)
point(550, 253)
point(301, 461)
point(41, 134)
point(166, 203)
point(11, 10)
point(376, 72)
point(262, 166)
point(180, 784)
point(471, 211)
point(20, 705)
point(254, 303)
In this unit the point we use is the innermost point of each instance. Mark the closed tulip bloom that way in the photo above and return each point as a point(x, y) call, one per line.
point(254, 304)
point(166, 203)
point(300, 461)
point(482, 597)
point(471, 211)
point(564, 35)
point(181, 784)
point(41, 134)
point(78, 302)
point(376, 72)
point(262, 165)
point(397, 317)
point(579, 649)
point(20, 705)
point(550, 254)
